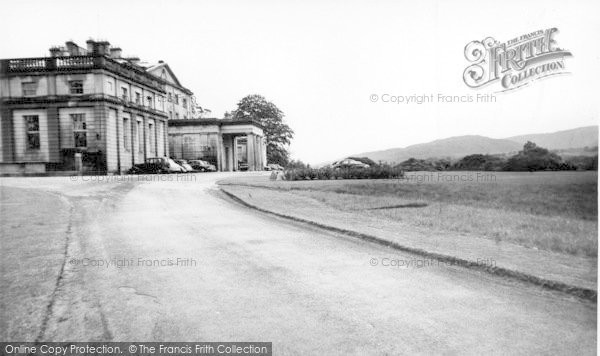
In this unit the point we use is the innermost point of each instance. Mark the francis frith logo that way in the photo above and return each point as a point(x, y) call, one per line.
point(514, 63)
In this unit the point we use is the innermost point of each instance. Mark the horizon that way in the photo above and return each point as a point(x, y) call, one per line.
point(322, 64)
point(446, 138)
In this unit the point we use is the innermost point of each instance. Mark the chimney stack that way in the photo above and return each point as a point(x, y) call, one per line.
point(133, 60)
point(55, 51)
point(100, 48)
point(72, 48)
point(115, 52)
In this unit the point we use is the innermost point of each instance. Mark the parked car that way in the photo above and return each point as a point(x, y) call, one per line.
point(349, 163)
point(273, 167)
point(183, 163)
point(242, 166)
point(156, 165)
point(202, 166)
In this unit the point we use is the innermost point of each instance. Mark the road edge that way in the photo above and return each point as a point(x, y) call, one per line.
point(580, 292)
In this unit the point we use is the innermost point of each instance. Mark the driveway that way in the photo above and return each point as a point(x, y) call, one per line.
point(169, 258)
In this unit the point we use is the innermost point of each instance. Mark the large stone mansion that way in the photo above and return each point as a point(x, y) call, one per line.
point(93, 110)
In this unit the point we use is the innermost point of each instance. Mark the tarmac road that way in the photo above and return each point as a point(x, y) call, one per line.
point(195, 266)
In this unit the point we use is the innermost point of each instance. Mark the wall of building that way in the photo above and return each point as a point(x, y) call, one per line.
point(63, 87)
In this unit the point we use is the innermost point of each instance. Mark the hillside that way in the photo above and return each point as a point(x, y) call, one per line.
point(453, 147)
point(575, 138)
point(460, 146)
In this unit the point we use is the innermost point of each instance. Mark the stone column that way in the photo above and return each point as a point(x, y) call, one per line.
point(259, 140)
point(220, 150)
point(145, 136)
point(232, 149)
point(250, 152)
point(165, 131)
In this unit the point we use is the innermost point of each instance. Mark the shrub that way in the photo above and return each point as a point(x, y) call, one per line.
point(583, 163)
point(413, 164)
point(479, 162)
point(294, 164)
point(326, 173)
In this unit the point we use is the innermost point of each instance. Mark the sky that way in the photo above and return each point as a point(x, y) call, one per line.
point(323, 62)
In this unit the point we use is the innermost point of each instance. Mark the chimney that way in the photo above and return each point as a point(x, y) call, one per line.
point(55, 51)
point(72, 48)
point(90, 46)
point(133, 60)
point(99, 48)
point(115, 52)
point(103, 48)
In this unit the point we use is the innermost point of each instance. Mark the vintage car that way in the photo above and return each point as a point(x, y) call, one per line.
point(156, 165)
point(202, 166)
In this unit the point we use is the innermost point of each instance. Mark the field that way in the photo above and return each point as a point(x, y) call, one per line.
point(555, 211)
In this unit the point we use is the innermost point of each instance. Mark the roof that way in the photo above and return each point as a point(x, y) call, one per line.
point(214, 121)
point(153, 67)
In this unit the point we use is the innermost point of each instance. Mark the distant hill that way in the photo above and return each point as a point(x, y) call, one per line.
point(575, 138)
point(460, 146)
point(453, 147)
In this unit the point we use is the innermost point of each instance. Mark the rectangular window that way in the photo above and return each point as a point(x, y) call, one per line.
point(29, 88)
point(169, 97)
point(126, 136)
point(149, 101)
point(176, 98)
point(138, 98)
point(124, 94)
point(151, 137)
point(76, 86)
point(177, 115)
point(110, 87)
point(140, 137)
point(184, 101)
point(33, 131)
point(79, 130)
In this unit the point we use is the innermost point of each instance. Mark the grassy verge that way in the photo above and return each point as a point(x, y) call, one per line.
point(554, 211)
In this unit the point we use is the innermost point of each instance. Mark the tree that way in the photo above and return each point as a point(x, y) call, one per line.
point(533, 158)
point(296, 164)
point(277, 133)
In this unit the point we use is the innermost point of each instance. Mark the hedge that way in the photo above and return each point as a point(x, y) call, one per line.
point(377, 172)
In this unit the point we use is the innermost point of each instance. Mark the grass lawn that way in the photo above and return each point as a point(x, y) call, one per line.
point(554, 211)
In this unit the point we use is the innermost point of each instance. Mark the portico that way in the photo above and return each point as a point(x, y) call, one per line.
point(231, 145)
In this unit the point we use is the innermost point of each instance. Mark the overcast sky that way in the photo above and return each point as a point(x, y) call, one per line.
point(320, 61)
